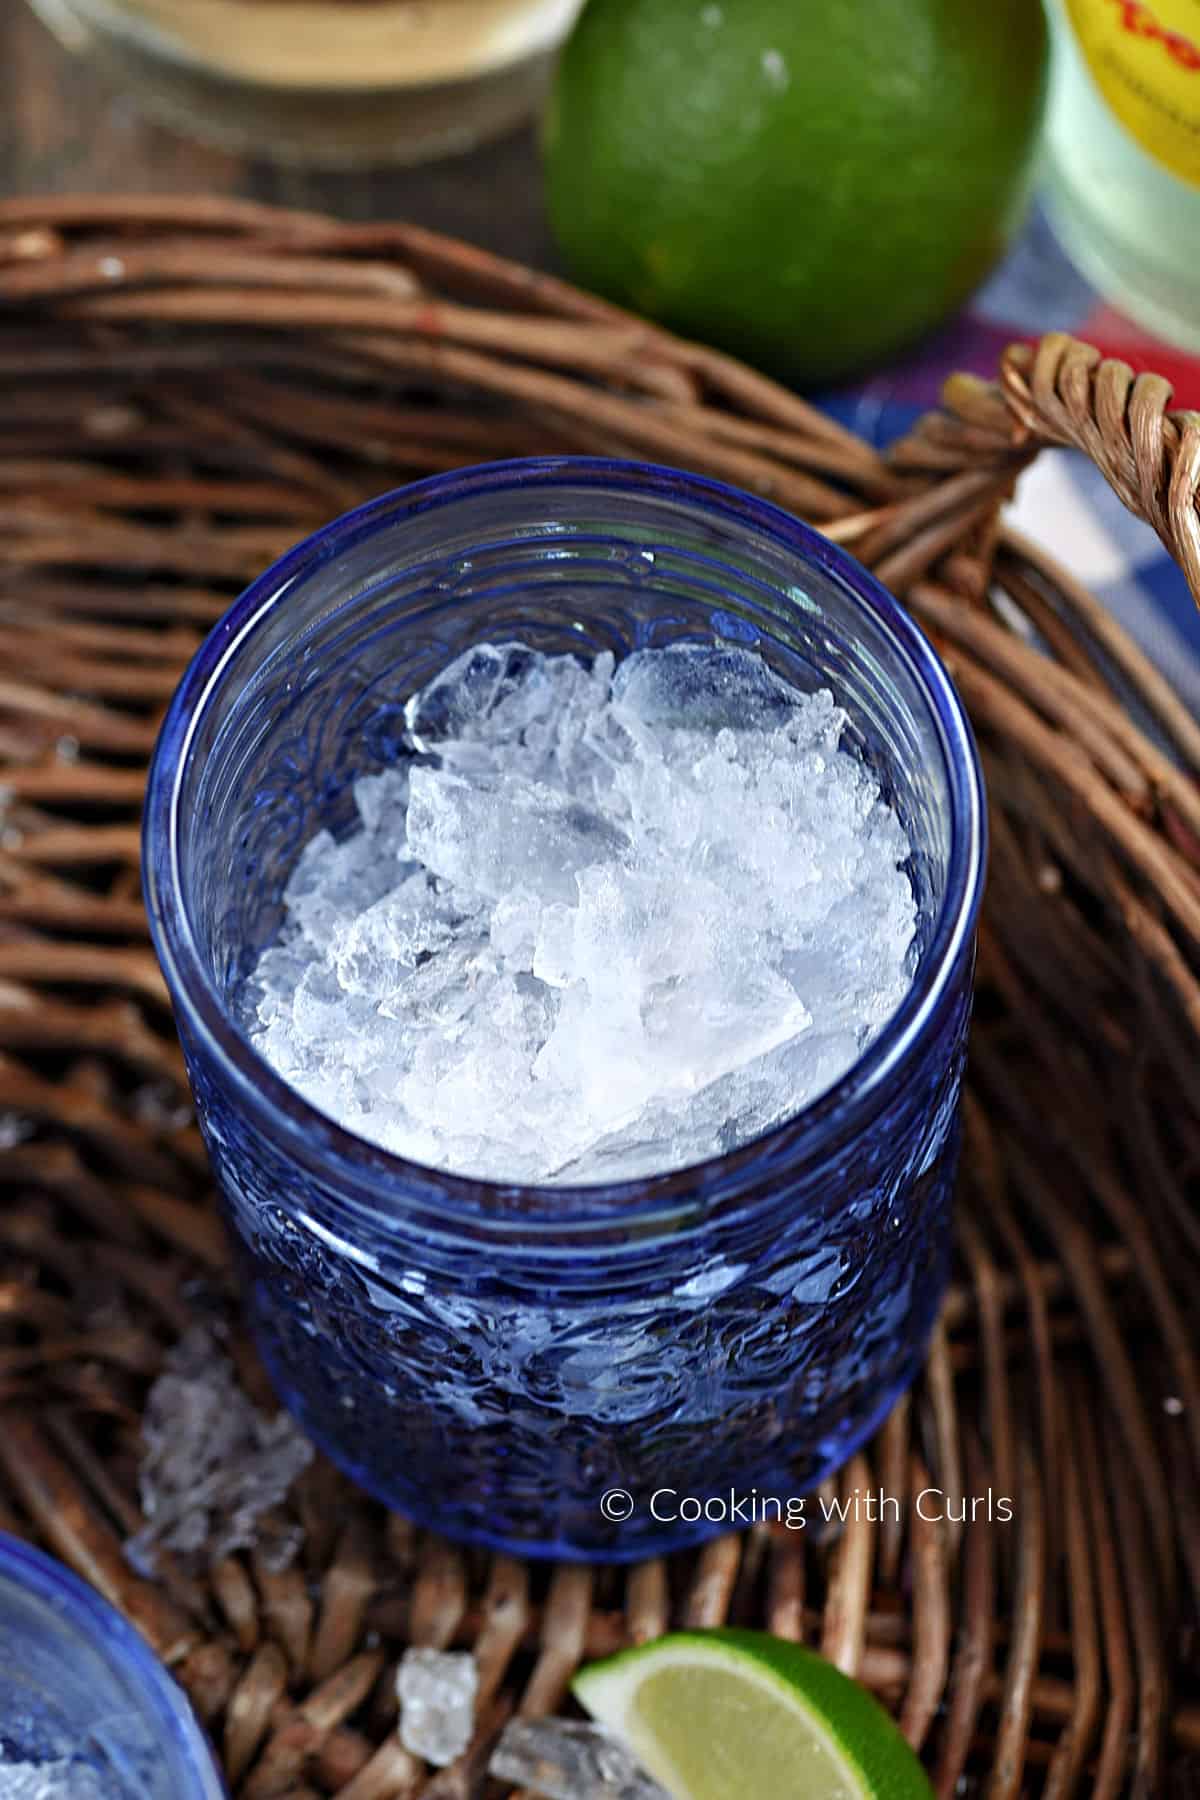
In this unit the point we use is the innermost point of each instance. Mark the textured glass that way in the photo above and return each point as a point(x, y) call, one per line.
point(83, 1699)
point(491, 1360)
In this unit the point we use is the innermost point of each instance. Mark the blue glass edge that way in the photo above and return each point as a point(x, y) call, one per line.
point(103, 1626)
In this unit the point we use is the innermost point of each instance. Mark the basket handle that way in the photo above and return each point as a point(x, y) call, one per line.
point(1062, 391)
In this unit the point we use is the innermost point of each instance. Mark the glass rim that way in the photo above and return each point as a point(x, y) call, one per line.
point(387, 1185)
point(111, 1635)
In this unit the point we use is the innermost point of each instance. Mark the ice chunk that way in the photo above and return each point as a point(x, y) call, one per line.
point(382, 802)
point(213, 1465)
point(493, 838)
point(458, 703)
point(703, 687)
point(505, 707)
point(436, 1690)
point(330, 877)
point(610, 923)
point(514, 929)
point(371, 952)
point(663, 997)
point(564, 1760)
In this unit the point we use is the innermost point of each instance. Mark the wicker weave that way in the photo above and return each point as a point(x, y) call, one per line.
point(185, 388)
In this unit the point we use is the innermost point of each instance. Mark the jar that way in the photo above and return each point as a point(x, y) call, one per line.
point(84, 1699)
point(331, 82)
point(590, 1371)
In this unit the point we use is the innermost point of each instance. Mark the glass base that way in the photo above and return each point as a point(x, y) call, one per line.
point(624, 1528)
point(463, 1411)
point(334, 127)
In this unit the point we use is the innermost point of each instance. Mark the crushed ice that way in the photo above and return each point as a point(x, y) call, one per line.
point(604, 922)
point(436, 1690)
point(560, 1759)
point(213, 1466)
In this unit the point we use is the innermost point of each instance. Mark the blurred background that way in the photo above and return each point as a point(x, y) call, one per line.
point(68, 125)
point(858, 200)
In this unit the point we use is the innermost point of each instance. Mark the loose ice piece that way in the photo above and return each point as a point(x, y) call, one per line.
point(436, 1690)
point(562, 1760)
point(213, 1464)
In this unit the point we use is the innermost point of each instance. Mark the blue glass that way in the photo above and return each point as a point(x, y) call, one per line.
point(80, 1690)
point(490, 1360)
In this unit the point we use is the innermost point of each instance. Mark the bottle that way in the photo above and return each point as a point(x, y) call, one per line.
point(1123, 155)
point(326, 81)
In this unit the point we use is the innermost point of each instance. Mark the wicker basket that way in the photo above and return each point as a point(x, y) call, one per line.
point(186, 388)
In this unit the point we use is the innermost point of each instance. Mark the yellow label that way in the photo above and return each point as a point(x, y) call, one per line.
point(1144, 56)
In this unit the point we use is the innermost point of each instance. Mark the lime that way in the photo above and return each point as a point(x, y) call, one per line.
point(809, 185)
point(718, 1715)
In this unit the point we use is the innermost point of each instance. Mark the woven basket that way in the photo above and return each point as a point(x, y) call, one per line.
point(187, 387)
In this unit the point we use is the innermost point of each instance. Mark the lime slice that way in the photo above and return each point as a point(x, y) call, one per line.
point(719, 1715)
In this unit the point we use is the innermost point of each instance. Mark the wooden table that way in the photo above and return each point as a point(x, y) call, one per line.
point(63, 128)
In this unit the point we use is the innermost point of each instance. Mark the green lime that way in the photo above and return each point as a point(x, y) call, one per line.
point(718, 1715)
point(809, 185)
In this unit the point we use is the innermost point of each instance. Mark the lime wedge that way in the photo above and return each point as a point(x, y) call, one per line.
point(719, 1715)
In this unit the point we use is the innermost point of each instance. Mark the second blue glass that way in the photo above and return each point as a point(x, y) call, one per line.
point(87, 1711)
point(593, 1371)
